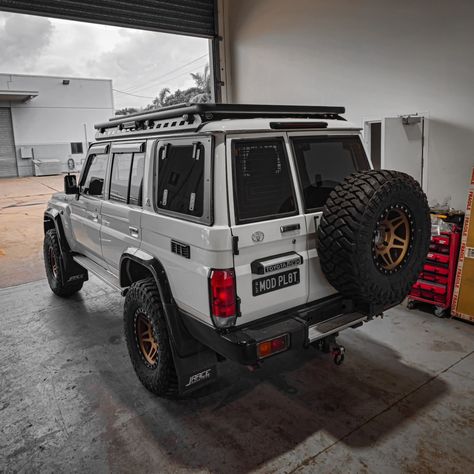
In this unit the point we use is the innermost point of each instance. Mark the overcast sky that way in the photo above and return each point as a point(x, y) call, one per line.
point(138, 62)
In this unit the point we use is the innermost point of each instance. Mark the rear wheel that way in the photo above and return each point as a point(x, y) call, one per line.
point(147, 338)
point(55, 271)
point(374, 236)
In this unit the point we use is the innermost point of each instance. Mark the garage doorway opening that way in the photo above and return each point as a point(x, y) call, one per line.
point(398, 143)
point(373, 133)
point(61, 74)
point(376, 144)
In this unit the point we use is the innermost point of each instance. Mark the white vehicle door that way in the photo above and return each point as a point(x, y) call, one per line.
point(122, 210)
point(268, 227)
point(322, 162)
point(86, 208)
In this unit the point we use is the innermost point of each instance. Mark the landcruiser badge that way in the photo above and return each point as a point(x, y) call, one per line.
point(258, 236)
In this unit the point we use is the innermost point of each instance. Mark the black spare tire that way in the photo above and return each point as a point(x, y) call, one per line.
point(374, 235)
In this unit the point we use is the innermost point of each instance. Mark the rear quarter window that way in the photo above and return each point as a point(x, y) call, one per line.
point(323, 163)
point(262, 182)
point(181, 179)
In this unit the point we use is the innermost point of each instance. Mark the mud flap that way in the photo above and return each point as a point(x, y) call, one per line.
point(72, 269)
point(196, 364)
point(195, 371)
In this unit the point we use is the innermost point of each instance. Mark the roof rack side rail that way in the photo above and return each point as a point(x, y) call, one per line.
point(211, 111)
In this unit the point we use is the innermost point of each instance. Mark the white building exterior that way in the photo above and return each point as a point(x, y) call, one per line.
point(380, 59)
point(49, 119)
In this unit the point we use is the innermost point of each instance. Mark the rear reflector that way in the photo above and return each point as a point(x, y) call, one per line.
point(272, 346)
point(223, 297)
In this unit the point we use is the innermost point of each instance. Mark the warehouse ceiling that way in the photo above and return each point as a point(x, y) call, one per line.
point(186, 17)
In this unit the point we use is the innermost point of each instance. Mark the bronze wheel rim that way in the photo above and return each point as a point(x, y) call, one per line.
point(53, 263)
point(392, 239)
point(146, 339)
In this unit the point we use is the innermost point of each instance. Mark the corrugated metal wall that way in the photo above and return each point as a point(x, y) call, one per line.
point(7, 145)
point(187, 17)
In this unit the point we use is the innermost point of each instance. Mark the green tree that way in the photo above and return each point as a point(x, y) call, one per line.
point(200, 92)
point(127, 111)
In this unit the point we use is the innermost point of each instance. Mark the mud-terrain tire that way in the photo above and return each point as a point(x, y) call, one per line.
point(374, 236)
point(54, 266)
point(146, 333)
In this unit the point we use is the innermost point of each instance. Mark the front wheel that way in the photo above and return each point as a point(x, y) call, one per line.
point(148, 341)
point(55, 271)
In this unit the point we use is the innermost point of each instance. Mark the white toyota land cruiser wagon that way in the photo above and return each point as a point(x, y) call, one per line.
point(235, 232)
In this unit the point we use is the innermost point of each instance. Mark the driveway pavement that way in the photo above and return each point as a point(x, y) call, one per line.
point(22, 202)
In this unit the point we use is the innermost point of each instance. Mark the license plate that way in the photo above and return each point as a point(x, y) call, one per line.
point(275, 282)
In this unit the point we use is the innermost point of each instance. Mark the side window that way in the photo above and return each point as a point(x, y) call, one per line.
point(92, 182)
point(262, 181)
point(119, 179)
point(136, 179)
point(181, 178)
point(126, 180)
point(323, 162)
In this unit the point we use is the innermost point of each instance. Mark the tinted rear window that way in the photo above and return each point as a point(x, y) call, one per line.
point(181, 179)
point(323, 162)
point(262, 181)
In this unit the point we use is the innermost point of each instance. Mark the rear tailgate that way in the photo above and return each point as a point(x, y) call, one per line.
point(271, 259)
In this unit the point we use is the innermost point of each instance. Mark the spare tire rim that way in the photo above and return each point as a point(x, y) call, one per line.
point(146, 340)
point(53, 262)
point(392, 240)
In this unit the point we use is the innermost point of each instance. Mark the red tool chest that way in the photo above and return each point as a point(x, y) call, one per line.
point(436, 281)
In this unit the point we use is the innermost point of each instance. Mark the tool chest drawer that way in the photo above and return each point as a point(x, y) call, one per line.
point(437, 257)
point(438, 269)
point(436, 280)
point(442, 279)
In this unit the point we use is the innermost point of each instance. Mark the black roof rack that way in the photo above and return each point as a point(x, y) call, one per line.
point(191, 116)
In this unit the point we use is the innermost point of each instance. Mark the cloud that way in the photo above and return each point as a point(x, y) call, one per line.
point(139, 62)
point(143, 62)
point(22, 40)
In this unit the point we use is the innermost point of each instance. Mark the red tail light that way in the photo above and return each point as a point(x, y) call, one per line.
point(223, 297)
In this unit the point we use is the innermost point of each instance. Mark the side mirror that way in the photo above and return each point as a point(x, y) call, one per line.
point(70, 184)
point(95, 186)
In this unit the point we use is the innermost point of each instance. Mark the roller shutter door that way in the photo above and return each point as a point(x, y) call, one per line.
point(7, 145)
point(187, 17)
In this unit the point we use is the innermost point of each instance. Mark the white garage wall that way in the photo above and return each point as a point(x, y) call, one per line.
point(54, 119)
point(377, 57)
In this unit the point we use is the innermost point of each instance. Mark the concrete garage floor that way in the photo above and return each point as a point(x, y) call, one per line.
point(403, 401)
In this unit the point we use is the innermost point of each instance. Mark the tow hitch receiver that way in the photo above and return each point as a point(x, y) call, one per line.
point(328, 345)
point(337, 354)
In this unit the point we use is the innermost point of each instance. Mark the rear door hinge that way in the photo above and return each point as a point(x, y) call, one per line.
point(235, 244)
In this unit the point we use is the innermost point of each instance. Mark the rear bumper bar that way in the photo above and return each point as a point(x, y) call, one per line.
point(304, 325)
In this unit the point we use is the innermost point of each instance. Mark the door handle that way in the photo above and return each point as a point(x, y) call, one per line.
point(95, 217)
point(133, 231)
point(289, 228)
